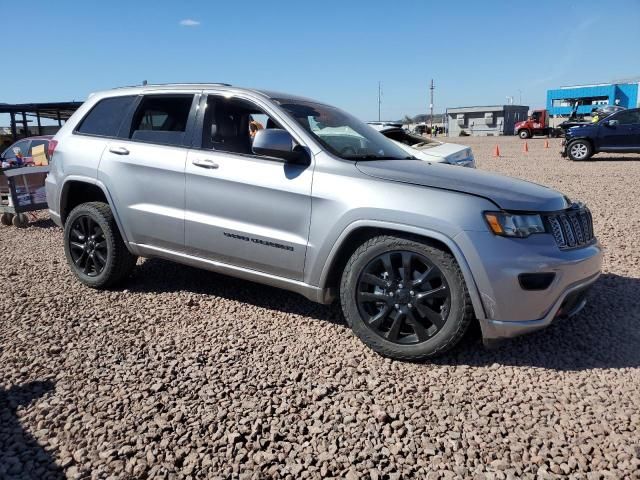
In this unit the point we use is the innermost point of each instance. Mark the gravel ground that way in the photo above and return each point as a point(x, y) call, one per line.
point(182, 373)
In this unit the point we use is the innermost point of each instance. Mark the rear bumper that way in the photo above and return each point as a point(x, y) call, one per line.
point(569, 304)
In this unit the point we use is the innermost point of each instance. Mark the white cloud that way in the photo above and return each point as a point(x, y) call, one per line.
point(188, 22)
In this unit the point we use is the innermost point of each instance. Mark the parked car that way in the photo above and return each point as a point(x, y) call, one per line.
point(616, 133)
point(24, 147)
point(426, 148)
point(415, 251)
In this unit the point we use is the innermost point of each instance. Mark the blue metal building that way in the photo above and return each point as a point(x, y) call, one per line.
point(561, 100)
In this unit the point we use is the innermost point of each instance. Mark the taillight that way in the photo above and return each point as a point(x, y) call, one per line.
point(51, 148)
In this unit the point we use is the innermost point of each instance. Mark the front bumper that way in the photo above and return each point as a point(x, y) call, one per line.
point(569, 304)
point(496, 263)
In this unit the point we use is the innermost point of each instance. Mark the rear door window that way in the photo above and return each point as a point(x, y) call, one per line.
point(162, 119)
point(106, 116)
point(628, 117)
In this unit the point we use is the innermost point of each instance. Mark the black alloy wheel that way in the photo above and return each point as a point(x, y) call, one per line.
point(403, 297)
point(88, 246)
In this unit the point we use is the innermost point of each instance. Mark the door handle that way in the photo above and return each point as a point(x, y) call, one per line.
point(119, 150)
point(205, 163)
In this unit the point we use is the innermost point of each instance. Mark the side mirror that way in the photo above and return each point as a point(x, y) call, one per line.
point(612, 123)
point(278, 143)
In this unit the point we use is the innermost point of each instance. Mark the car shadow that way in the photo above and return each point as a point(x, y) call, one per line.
point(604, 158)
point(604, 335)
point(21, 456)
point(157, 276)
point(42, 222)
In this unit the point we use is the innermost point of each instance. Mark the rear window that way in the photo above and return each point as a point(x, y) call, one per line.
point(161, 119)
point(105, 117)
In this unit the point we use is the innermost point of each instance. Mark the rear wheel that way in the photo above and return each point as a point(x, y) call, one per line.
point(524, 134)
point(94, 247)
point(579, 150)
point(405, 299)
point(5, 219)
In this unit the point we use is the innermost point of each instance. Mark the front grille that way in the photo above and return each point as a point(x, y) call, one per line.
point(572, 228)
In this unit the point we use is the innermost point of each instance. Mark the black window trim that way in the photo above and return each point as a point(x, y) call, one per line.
point(194, 111)
point(196, 143)
point(76, 130)
point(125, 124)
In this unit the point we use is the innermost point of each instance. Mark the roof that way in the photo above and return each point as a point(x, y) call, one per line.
point(203, 86)
point(632, 80)
point(485, 108)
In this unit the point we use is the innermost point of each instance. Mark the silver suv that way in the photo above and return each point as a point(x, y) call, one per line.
point(297, 194)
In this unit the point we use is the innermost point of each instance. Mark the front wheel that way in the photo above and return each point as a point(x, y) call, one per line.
point(524, 134)
point(94, 247)
point(579, 150)
point(405, 299)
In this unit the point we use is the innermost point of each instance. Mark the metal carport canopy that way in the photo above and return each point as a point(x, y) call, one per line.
point(58, 111)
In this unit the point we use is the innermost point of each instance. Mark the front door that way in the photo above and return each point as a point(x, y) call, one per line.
point(244, 209)
point(624, 135)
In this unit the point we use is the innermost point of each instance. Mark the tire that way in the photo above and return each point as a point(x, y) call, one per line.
point(524, 134)
point(5, 219)
point(579, 150)
point(20, 220)
point(100, 260)
point(433, 309)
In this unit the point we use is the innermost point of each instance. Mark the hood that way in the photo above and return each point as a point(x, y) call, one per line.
point(506, 192)
point(440, 152)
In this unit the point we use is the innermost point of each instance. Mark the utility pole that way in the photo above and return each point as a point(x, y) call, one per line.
point(379, 98)
point(432, 88)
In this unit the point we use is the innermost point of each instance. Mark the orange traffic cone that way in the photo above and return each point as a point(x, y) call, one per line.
point(496, 151)
point(546, 144)
point(525, 147)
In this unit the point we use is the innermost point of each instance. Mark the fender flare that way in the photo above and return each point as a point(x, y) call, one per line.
point(474, 293)
point(105, 191)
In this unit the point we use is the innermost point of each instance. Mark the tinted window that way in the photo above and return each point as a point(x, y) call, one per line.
point(627, 117)
point(162, 119)
point(105, 117)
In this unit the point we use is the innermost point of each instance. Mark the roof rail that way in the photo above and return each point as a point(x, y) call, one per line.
point(175, 84)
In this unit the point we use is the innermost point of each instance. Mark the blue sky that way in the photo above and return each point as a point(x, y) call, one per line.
point(478, 52)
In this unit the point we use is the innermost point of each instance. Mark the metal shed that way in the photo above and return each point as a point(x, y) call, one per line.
point(485, 121)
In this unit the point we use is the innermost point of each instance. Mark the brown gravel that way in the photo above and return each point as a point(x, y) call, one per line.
point(182, 373)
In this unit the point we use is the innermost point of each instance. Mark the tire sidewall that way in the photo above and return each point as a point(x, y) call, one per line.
point(350, 307)
point(583, 142)
point(524, 134)
point(96, 216)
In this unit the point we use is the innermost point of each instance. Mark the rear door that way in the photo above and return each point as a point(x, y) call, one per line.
point(245, 209)
point(144, 168)
point(624, 136)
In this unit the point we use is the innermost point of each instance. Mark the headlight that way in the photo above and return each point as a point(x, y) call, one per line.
point(509, 225)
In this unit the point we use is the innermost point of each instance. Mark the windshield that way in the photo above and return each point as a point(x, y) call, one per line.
point(341, 133)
